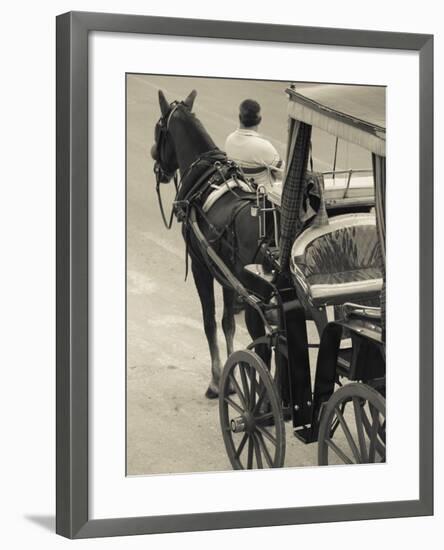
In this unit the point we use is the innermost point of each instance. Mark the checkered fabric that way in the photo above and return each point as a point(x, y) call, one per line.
point(314, 210)
point(379, 174)
point(293, 194)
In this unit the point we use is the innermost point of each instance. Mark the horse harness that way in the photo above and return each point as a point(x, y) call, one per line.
point(205, 175)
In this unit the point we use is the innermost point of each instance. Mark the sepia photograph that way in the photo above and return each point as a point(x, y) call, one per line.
point(255, 274)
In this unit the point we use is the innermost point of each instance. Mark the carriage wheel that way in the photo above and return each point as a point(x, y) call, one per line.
point(352, 428)
point(251, 414)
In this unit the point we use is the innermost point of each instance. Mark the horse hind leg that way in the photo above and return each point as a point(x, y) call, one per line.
point(204, 282)
point(256, 329)
point(228, 321)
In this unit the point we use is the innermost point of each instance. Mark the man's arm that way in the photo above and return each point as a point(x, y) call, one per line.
point(271, 157)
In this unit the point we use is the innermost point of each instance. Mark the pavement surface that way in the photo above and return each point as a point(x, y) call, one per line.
point(171, 426)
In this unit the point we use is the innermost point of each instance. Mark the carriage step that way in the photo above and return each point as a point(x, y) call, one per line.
point(306, 434)
point(344, 362)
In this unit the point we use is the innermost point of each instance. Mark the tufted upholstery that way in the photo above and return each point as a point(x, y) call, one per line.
point(340, 261)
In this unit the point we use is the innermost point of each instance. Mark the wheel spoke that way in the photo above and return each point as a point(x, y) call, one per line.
point(245, 385)
point(259, 385)
point(238, 391)
point(252, 387)
point(334, 426)
point(265, 451)
point(335, 422)
point(373, 433)
point(348, 435)
point(257, 451)
point(338, 451)
point(360, 429)
point(241, 446)
point(380, 436)
point(267, 434)
point(263, 417)
point(260, 400)
point(250, 452)
point(234, 405)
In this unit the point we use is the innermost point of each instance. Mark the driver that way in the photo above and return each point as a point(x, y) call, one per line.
point(256, 156)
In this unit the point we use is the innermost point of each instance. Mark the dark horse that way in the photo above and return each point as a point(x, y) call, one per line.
point(182, 143)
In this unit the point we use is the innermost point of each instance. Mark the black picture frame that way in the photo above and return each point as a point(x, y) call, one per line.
point(72, 517)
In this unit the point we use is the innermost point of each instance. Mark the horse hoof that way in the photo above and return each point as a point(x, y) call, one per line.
point(211, 394)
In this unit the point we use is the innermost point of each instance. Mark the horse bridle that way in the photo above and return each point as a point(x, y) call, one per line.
point(160, 132)
point(162, 176)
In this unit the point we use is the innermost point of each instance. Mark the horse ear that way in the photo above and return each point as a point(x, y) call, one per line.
point(189, 101)
point(164, 105)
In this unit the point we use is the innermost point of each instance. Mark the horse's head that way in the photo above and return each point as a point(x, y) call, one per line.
point(163, 151)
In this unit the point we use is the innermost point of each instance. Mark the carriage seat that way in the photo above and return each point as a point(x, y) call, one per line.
point(340, 261)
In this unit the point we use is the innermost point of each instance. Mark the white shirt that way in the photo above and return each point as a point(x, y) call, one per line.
point(251, 150)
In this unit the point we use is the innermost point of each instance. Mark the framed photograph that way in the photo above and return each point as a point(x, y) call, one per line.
point(244, 275)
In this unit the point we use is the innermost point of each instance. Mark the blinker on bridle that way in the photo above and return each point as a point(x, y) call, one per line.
point(162, 176)
point(162, 126)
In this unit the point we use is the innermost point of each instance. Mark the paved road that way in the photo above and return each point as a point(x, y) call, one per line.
point(171, 426)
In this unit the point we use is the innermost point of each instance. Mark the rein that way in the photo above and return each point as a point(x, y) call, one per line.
point(167, 222)
point(163, 126)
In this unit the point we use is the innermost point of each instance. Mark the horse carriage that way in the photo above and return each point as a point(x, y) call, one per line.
point(323, 262)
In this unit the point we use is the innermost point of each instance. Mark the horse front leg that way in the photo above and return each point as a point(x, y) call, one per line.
point(205, 288)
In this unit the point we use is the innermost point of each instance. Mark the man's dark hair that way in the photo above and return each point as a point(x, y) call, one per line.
point(249, 113)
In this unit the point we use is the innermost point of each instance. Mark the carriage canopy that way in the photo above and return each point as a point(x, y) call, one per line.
point(344, 112)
